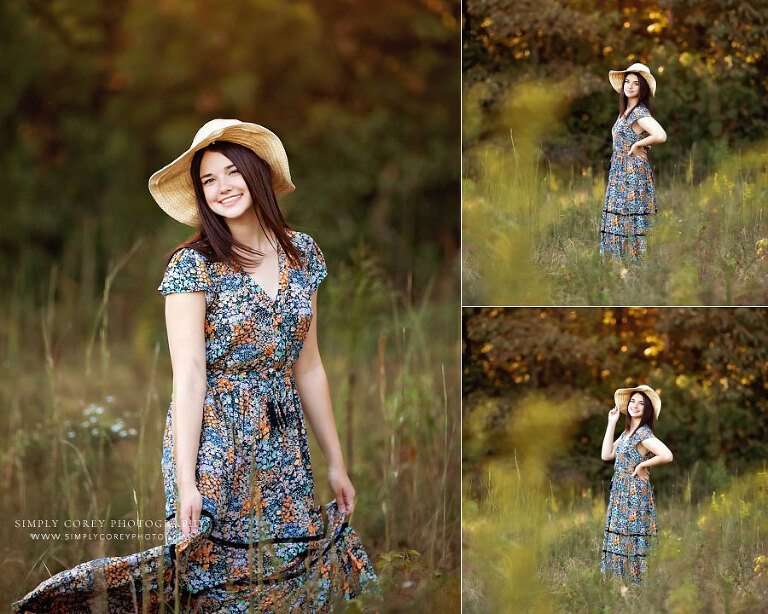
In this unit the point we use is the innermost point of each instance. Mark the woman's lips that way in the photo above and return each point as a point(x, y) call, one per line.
point(229, 200)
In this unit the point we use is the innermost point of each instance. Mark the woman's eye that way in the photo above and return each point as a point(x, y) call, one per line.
point(207, 181)
point(234, 170)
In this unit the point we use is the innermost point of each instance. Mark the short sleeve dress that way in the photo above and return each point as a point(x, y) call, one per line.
point(263, 543)
point(630, 197)
point(630, 523)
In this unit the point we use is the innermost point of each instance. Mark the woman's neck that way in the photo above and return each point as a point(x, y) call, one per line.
point(631, 104)
point(249, 230)
point(634, 423)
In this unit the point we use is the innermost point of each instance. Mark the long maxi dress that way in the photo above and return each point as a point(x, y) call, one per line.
point(263, 544)
point(630, 522)
point(630, 197)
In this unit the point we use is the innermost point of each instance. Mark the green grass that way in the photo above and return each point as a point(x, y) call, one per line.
point(531, 231)
point(87, 381)
point(531, 545)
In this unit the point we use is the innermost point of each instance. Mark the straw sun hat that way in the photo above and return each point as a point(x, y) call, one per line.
point(172, 186)
point(616, 77)
point(622, 395)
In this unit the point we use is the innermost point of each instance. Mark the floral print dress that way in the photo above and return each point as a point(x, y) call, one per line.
point(630, 523)
point(630, 198)
point(262, 545)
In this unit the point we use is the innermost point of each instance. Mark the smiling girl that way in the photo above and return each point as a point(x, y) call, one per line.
point(630, 524)
point(630, 198)
point(243, 532)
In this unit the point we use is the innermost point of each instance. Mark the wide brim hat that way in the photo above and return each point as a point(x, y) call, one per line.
point(622, 395)
point(172, 186)
point(616, 77)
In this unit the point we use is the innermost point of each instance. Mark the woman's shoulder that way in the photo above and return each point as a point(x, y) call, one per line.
point(301, 239)
point(313, 258)
point(644, 432)
point(187, 257)
point(186, 271)
point(640, 111)
point(305, 244)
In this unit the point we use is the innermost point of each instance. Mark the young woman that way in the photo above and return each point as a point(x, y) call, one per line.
point(630, 199)
point(242, 529)
point(630, 523)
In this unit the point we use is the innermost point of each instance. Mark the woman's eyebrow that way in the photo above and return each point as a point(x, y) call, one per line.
point(226, 168)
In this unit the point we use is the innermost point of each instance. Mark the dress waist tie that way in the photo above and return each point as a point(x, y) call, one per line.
point(275, 386)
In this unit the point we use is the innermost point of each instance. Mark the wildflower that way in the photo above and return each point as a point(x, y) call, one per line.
point(726, 504)
point(761, 247)
point(744, 511)
point(715, 507)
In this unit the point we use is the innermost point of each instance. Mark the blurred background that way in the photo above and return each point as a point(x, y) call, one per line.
point(365, 97)
point(538, 111)
point(537, 387)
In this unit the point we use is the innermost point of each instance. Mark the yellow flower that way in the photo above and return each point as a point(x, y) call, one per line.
point(744, 510)
point(761, 247)
point(716, 185)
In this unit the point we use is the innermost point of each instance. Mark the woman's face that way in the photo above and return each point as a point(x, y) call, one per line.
point(636, 406)
point(224, 186)
point(631, 86)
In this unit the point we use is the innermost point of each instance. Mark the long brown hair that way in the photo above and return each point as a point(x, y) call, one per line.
point(644, 97)
point(214, 240)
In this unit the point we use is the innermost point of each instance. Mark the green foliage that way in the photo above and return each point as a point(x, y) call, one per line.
point(708, 57)
point(709, 365)
point(365, 99)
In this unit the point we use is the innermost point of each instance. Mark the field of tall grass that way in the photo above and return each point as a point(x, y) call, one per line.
point(531, 232)
point(534, 545)
point(86, 385)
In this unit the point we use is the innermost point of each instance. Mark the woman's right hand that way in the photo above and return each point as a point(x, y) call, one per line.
point(188, 508)
point(613, 416)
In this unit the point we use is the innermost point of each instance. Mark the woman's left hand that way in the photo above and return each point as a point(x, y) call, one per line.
point(638, 151)
point(641, 472)
point(343, 490)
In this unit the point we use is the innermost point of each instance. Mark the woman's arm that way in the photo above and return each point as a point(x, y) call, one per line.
point(662, 455)
point(656, 135)
point(312, 384)
point(655, 131)
point(608, 451)
point(185, 321)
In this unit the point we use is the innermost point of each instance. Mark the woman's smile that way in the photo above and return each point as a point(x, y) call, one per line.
point(230, 200)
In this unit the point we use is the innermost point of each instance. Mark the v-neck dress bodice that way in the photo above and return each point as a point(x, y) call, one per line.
point(630, 197)
point(245, 329)
point(263, 544)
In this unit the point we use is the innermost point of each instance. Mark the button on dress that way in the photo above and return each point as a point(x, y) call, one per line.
point(262, 540)
point(630, 523)
point(630, 198)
